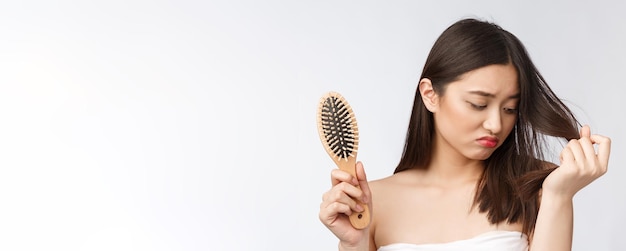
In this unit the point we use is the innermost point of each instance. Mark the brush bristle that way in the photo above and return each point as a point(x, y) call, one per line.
point(338, 126)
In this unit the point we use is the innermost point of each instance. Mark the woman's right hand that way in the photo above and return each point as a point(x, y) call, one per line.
point(341, 201)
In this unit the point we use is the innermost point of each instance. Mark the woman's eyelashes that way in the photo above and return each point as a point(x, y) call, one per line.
point(510, 110)
point(480, 107)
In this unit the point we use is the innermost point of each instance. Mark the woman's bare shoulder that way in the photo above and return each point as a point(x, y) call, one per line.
point(382, 183)
point(394, 181)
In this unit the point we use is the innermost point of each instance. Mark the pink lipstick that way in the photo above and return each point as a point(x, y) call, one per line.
point(490, 142)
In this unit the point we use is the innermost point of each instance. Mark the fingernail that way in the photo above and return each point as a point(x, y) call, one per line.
point(359, 208)
point(365, 199)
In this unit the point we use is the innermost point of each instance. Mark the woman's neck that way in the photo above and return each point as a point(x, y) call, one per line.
point(448, 164)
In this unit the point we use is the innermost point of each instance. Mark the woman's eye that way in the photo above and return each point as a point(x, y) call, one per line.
point(510, 110)
point(477, 107)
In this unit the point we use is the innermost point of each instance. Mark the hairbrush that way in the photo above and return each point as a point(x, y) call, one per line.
point(339, 133)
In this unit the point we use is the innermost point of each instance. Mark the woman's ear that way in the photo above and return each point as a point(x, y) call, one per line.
point(429, 96)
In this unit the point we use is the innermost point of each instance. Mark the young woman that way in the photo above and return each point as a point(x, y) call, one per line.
point(472, 175)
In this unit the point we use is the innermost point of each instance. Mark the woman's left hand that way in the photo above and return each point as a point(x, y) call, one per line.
point(580, 164)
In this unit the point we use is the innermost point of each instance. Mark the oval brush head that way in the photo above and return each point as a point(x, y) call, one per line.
point(339, 133)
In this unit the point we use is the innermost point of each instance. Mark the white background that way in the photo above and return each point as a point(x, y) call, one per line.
point(190, 125)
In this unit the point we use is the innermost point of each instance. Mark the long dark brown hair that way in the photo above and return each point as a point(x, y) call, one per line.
point(513, 175)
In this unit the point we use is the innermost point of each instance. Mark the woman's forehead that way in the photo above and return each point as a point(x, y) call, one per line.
point(489, 81)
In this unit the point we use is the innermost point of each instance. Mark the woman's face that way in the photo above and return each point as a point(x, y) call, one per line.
point(477, 112)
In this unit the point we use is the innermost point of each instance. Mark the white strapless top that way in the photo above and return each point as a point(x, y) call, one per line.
point(489, 241)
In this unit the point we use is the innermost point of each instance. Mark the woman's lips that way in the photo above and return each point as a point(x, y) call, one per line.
point(490, 142)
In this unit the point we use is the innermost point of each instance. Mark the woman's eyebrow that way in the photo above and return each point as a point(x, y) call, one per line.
point(491, 95)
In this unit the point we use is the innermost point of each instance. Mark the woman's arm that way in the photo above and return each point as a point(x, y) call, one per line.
point(580, 165)
point(554, 227)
